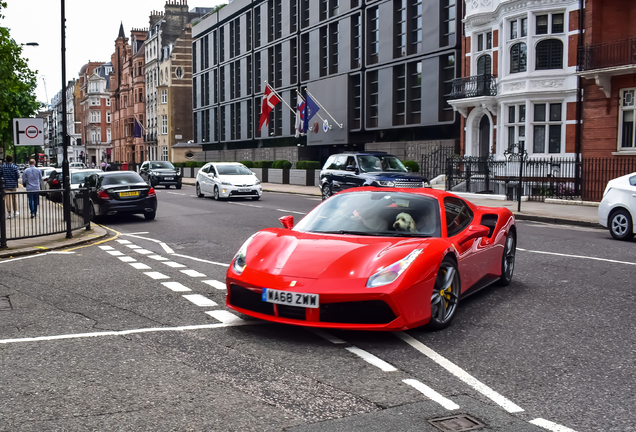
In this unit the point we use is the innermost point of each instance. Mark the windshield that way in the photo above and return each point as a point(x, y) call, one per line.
point(122, 179)
point(375, 213)
point(370, 163)
point(233, 170)
point(78, 177)
point(161, 165)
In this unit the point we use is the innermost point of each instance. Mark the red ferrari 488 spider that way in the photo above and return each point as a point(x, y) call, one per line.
point(374, 259)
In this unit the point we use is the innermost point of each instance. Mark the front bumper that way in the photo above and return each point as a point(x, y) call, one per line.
point(226, 191)
point(165, 180)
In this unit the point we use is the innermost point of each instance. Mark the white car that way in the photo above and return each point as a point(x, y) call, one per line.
point(77, 179)
point(617, 210)
point(76, 165)
point(228, 179)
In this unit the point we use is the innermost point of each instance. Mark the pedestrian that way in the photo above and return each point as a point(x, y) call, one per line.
point(93, 165)
point(103, 166)
point(31, 180)
point(11, 175)
point(107, 167)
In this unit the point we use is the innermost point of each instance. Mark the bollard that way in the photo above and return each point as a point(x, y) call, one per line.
point(86, 211)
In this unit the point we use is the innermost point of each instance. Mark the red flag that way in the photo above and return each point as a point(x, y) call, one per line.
point(269, 102)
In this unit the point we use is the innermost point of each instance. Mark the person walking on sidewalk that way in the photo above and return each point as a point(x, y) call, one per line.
point(31, 179)
point(11, 174)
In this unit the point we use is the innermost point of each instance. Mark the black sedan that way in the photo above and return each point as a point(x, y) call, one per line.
point(162, 173)
point(117, 192)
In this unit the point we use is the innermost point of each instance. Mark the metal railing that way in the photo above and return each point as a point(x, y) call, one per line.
point(607, 55)
point(596, 172)
point(433, 163)
point(17, 207)
point(474, 86)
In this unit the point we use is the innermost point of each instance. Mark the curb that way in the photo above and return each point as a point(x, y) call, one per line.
point(557, 221)
point(292, 193)
point(10, 253)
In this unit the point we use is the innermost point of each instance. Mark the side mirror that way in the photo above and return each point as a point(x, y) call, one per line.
point(409, 169)
point(474, 232)
point(287, 221)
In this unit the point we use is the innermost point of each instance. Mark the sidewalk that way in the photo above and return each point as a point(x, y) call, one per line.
point(549, 212)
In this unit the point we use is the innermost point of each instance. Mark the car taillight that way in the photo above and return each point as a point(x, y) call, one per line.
point(103, 195)
point(151, 192)
point(55, 182)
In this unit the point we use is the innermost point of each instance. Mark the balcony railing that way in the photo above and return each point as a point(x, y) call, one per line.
point(474, 86)
point(607, 55)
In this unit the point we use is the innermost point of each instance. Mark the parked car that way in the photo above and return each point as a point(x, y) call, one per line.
point(347, 170)
point(228, 179)
point(380, 259)
point(54, 182)
point(162, 173)
point(78, 177)
point(46, 171)
point(617, 210)
point(118, 192)
point(76, 165)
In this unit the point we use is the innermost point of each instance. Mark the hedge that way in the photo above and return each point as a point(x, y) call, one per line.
point(263, 164)
point(284, 164)
point(307, 165)
point(248, 164)
point(414, 166)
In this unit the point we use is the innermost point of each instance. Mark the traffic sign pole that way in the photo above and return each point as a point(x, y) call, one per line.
point(65, 168)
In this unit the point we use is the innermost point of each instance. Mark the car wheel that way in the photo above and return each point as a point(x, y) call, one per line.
point(178, 186)
point(256, 198)
point(445, 297)
point(326, 191)
point(198, 188)
point(150, 216)
point(508, 260)
point(621, 225)
point(216, 193)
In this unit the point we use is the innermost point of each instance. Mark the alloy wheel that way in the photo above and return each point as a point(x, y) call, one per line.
point(216, 193)
point(445, 297)
point(326, 191)
point(198, 189)
point(619, 224)
point(508, 259)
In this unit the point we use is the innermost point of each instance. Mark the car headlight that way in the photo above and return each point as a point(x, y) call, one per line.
point(240, 259)
point(386, 183)
point(390, 273)
point(226, 183)
point(154, 173)
point(257, 182)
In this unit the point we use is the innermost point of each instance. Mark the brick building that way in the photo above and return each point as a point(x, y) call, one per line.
point(127, 93)
point(95, 111)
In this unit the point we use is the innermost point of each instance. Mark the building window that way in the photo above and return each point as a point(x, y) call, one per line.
point(372, 99)
point(107, 102)
point(518, 58)
point(324, 6)
point(542, 24)
point(278, 115)
point(324, 44)
point(237, 37)
point(356, 41)
point(257, 73)
point(547, 127)
point(257, 26)
point(232, 81)
point(164, 125)
point(304, 67)
point(415, 29)
point(399, 28)
point(270, 20)
point(232, 39)
point(238, 120)
point(333, 8)
point(484, 37)
point(333, 48)
point(222, 44)
point(293, 100)
point(373, 30)
point(257, 113)
point(195, 127)
point(270, 66)
point(627, 112)
point(108, 117)
point(550, 54)
point(293, 64)
point(222, 84)
point(216, 125)
point(414, 93)
point(278, 59)
point(557, 23)
point(206, 89)
point(516, 124)
point(356, 87)
point(448, 21)
point(304, 13)
point(215, 84)
point(293, 16)
point(164, 153)
point(399, 95)
point(215, 49)
point(95, 116)
point(278, 19)
point(205, 47)
point(237, 79)
point(484, 65)
point(447, 75)
point(250, 119)
point(108, 135)
point(233, 122)
point(518, 28)
point(164, 96)
point(248, 60)
point(222, 124)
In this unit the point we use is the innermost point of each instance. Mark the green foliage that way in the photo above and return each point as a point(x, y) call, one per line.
point(307, 165)
point(414, 166)
point(17, 84)
point(248, 164)
point(282, 164)
point(179, 164)
point(263, 164)
point(301, 165)
point(191, 164)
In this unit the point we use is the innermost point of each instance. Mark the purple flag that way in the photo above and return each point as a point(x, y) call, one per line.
point(137, 129)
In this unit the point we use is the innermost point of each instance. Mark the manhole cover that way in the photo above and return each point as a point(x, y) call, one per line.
point(456, 423)
point(5, 303)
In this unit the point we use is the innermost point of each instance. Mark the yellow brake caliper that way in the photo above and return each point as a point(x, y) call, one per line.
point(445, 292)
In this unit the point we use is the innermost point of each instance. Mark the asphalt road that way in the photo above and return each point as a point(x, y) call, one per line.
point(104, 338)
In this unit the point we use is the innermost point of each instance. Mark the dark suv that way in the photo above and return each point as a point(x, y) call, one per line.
point(162, 173)
point(347, 170)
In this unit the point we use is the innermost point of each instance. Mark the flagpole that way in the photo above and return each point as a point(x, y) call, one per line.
point(279, 97)
point(303, 99)
point(322, 107)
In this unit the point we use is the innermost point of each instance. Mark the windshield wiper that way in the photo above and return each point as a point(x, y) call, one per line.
point(362, 233)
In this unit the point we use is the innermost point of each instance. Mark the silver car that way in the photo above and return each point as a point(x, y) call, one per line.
point(228, 179)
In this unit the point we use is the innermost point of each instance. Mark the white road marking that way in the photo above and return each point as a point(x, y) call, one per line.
point(545, 424)
point(115, 253)
point(200, 300)
point(431, 394)
point(216, 284)
point(192, 273)
point(579, 256)
point(140, 266)
point(460, 373)
point(158, 257)
point(127, 259)
point(24, 257)
point(175, 286)
point(166, 248)
point(323, 334)
point(61, 252)
point(133, 246)
point(246, 205)
point(157, 275)
point(290, 211)
point(173, 264)
point(106, 248)
point(123, 242)
point(201, 260)
point(143, 251)
point(225, 317)
point(175, 193)
point(127, 332)
point(370, 358)
point(143, 238)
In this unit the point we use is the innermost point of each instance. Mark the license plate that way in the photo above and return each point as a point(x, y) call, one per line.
point(168, 178)
point(245, 190)
point(128, 194)
point(290, 298)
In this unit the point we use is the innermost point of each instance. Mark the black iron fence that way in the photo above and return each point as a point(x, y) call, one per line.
point(433, 163)
point(17, 207)
point(596, 172)
point(606, 55)
point(474, 86)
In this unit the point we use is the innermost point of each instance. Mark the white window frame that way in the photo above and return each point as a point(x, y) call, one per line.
point(94, 102)
point(107, 101)
point(95, 116)
point(108, 117)
point(547, 123)
point(520, 129)
point(108, 135)
point(164, 153)
point(622, 109)
point(164, 124)
point(164, 96)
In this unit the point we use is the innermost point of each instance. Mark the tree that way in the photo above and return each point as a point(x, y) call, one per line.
point(17, 84)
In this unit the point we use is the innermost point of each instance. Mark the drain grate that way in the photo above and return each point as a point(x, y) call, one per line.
point(456, 423)
point(5, 303)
